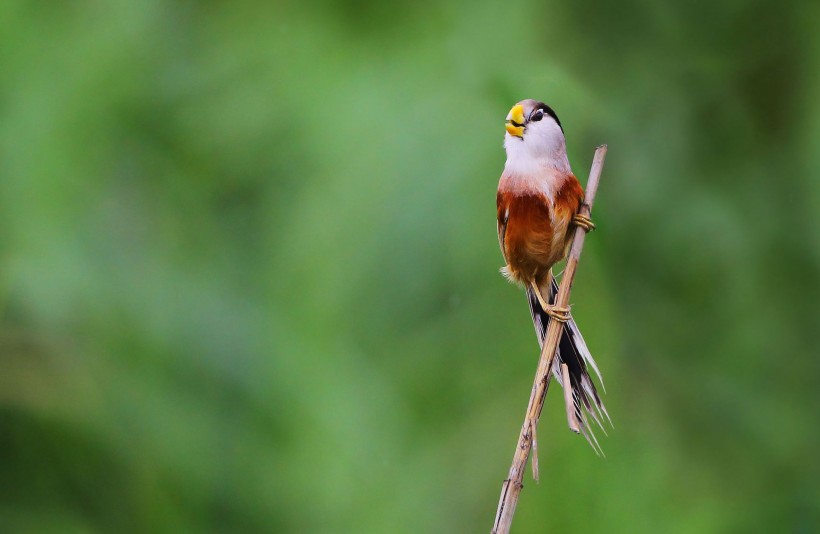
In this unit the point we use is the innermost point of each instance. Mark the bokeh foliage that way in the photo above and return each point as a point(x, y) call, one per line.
point(249, 265)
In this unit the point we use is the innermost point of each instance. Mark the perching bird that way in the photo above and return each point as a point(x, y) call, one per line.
point(538, 201)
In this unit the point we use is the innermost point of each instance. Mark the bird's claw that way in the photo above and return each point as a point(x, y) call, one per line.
point(559, 313)
point(582, 221)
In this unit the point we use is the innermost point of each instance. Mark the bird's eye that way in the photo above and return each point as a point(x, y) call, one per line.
point(537, 116)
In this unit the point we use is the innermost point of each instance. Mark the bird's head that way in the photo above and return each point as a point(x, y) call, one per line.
point(534, 132)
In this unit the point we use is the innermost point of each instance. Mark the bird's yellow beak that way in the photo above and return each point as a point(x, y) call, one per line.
point(515, 121)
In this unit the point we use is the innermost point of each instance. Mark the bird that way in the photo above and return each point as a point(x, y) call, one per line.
point(538, 203)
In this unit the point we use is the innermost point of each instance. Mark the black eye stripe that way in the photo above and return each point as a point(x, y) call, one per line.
point(537, 115)
point(540, 106)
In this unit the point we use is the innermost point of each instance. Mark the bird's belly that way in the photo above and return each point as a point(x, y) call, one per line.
point(531, 253)
point(533, 242)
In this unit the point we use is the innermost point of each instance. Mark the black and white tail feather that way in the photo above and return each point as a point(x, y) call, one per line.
point(573, 351)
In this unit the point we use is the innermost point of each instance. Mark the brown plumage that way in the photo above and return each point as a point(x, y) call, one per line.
point(533, 231)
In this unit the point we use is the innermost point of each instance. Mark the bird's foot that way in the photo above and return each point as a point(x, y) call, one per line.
point(582, 221)
point(559, 313)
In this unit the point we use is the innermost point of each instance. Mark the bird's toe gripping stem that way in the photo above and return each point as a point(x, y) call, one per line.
point(582, 221)
point(559, 313)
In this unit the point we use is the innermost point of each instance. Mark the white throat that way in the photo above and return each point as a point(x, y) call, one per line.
point(543, 148)
point(538, 162)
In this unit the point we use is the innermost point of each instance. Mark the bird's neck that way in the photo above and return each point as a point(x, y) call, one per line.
point(525, 159)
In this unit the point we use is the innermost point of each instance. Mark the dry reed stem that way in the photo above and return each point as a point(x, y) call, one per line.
point(511, 489)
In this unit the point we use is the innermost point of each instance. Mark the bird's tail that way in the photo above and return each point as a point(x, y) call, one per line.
point(573, 351)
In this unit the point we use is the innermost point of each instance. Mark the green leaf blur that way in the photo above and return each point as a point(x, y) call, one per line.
point(250, 271)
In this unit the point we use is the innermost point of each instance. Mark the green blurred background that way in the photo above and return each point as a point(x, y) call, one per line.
point(250, 271)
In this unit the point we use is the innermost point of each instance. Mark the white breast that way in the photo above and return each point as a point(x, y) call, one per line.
point(531, 180)
point(538, 162)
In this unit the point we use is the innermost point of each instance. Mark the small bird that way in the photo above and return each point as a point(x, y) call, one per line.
point(538, 204)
